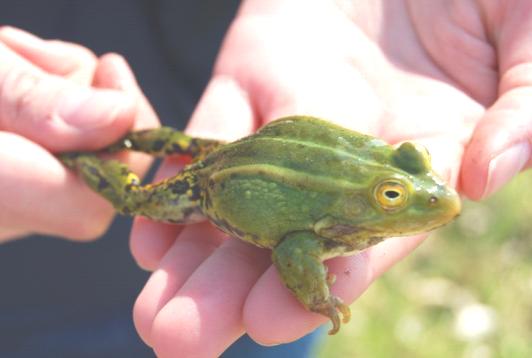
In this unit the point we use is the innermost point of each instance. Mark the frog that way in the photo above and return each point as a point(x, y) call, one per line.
point(301, 186)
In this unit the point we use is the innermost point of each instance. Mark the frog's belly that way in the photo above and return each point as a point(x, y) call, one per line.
point(262, 211)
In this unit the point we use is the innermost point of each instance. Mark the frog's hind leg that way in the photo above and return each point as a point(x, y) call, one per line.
point(175, 199)
point(165, 141)
point(298, 260)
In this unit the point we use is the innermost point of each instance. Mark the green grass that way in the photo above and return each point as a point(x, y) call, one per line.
point(466, 292)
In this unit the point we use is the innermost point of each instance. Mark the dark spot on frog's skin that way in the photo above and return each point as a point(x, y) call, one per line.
point(193, 146)
point(196, 193)
point(179, 187)
point(157, 145)
point(211, 184)
point(94, 171)
point(176, 148)
point(102, 184)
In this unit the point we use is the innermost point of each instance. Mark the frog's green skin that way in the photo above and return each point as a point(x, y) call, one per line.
point(303, 187)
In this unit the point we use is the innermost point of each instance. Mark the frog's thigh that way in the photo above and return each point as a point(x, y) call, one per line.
point(298, 262)
point(109, 178)
point(174, 200)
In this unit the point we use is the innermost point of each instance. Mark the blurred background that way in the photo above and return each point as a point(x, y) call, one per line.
point(465, 292)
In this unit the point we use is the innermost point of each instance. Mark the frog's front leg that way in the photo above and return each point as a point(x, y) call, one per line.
point(298, 259)
point(176, 199)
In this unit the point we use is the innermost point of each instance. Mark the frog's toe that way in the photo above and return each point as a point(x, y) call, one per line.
point(331, 308)
point(344, 309)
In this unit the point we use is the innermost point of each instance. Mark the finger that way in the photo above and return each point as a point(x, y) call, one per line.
point(223, 112)
point(502, 142)
point(150, 241)
point(301, 97)
point(185, 255)
point(209, 305)
point(501, 146)
point(57, 113)
point(39, 195)
point(272, 315)
point(114, 72)
point(56, 57)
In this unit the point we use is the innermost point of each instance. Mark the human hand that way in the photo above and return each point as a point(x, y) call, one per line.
point(57, 96)
point(425, 71)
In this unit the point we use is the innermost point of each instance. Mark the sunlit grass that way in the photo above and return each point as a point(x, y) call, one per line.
point(466, 292)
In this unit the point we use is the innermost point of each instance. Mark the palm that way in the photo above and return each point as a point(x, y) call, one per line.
point(386, 80)
point(338, 71)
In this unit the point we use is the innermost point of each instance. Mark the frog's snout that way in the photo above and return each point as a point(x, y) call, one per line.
point(448, 202)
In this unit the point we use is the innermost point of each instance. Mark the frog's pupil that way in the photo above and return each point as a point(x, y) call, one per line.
point(391, 194)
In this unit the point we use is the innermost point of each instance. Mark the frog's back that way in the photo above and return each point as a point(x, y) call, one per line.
point(307, 145)
point(317, 131)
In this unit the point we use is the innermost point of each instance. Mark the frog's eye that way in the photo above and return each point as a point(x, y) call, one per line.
point(391, 194)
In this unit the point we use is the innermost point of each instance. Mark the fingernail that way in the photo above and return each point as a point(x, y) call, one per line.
point(505, 166)
point(87, 108)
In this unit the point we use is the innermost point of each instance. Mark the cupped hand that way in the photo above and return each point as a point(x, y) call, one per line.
point(452, 76)
point(57, 96)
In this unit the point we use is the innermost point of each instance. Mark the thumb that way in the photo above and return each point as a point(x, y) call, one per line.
point(502, 141)
point(57, 113)
point(501, 145)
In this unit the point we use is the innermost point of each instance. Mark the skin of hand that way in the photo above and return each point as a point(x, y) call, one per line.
point(455, 76)
point(57, 96)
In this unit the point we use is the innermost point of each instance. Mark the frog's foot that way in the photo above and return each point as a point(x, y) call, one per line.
point(331, 308)
point(298, 261)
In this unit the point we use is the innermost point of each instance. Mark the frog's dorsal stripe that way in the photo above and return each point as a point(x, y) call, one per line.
point(287, 176)
point(355, 154)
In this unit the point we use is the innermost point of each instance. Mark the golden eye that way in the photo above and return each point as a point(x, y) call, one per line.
point(391, 194)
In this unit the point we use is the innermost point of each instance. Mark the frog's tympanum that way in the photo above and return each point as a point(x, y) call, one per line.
point(305, 188)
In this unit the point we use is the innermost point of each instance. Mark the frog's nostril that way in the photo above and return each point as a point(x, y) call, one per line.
point(433, 200)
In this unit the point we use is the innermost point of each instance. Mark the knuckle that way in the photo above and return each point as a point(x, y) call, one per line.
point(17, 92)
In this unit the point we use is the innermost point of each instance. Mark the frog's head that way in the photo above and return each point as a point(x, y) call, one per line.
point(404, 198)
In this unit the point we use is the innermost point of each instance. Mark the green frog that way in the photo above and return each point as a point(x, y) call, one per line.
point(302, 187)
